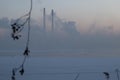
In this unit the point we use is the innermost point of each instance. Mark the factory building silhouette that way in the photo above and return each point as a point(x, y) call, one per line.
point(53, 24)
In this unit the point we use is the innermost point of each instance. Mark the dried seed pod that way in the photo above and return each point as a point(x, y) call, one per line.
point(106, 74)
point(26, 52)
point(22, 71)
point(13, 77)
point(13, 72)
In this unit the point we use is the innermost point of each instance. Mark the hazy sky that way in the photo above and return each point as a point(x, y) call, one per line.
point(85, 12)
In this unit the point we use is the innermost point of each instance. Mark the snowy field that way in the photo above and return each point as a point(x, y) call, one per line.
point(60, 68)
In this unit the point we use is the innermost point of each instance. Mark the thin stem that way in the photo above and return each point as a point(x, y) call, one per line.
point(29, 25)
point(77, 76)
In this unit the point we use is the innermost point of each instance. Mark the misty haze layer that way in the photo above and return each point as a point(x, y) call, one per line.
point(65, 37)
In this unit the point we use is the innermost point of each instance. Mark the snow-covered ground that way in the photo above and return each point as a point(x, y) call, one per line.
point(60, 68)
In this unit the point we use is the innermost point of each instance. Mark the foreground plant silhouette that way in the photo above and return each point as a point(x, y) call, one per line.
point(17, 27)
point(107, 75)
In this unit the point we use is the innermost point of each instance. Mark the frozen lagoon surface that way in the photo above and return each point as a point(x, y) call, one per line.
point(60, 68)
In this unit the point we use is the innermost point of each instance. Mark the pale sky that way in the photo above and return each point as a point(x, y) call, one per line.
point(84, 12)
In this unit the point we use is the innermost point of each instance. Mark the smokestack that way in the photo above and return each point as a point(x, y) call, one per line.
point(52, 14)
point(44, 20)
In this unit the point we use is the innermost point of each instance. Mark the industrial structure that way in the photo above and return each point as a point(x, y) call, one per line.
point(44, 20)
point(52, 26)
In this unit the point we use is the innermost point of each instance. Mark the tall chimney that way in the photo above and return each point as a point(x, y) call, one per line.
point(44, 20)
point(52, 14)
